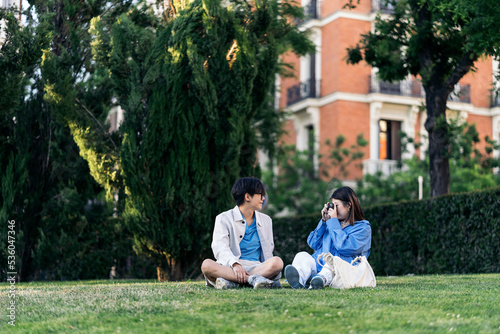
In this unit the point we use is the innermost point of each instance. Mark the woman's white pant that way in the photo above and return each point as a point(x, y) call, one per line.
point(306, 266)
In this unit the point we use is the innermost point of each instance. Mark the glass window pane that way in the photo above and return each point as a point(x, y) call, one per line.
point(383, 125)
point(382, 139)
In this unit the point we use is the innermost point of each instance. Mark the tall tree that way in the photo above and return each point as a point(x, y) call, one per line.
point(78, 96)
point(46, 184)
point(75, 90)
point(438, 40)
point(20, 51)
point(192, 90)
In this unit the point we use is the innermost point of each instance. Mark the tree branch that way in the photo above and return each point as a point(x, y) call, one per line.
point(463, 67)
point(98, 123)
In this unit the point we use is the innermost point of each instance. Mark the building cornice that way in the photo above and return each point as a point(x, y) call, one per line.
point(340, 14)
point(386, 98)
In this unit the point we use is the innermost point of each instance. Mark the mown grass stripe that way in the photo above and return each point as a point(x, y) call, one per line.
point(409, 304)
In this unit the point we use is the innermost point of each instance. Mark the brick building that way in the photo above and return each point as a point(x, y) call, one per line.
point(328, 97)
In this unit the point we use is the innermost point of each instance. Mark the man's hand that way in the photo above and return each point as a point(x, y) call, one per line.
point(240, 273)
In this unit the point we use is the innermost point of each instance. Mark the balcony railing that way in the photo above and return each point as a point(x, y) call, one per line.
point(409, 87)
point(311, 11)
point(495, 100)
point(413, 87)
point(461, 93)
point(386, 167)
point(382, 6)
point(304, 90)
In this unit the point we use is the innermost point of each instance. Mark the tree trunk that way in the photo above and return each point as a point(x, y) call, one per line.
point(169, 270)
point(176, 270)
point(161, 273)
point(436, 126)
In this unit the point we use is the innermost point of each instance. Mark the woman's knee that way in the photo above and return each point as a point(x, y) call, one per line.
point(304, 260)
point(303, 256)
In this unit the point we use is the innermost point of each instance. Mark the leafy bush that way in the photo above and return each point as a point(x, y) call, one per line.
point(306, 179)
point(88, 247)
point(457, 233)
point(470, 168)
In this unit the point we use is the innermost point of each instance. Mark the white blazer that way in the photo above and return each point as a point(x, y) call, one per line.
point(229, 230)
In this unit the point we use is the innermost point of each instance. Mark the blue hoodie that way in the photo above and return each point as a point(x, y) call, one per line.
point(348, 243)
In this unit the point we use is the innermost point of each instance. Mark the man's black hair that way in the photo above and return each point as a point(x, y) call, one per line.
point(246, 185)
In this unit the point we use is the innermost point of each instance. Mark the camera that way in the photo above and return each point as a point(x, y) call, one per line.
point(329, 206)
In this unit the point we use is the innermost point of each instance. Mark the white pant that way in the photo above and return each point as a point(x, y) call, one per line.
point(306, 266)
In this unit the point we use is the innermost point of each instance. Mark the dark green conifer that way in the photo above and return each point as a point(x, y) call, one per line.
point(192, 94)
point(46, 186)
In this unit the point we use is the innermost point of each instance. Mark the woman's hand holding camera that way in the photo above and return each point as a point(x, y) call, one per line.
point(324, 213)
point(329, 211)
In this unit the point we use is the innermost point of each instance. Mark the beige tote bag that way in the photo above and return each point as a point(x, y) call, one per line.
point(356, 274)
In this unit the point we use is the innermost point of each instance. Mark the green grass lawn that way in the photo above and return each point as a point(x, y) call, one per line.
point(418, 304)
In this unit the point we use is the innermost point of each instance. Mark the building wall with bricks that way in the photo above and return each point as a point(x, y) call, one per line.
point(331, 98)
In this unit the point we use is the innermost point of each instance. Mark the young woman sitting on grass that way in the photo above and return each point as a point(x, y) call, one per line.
point(342, 231)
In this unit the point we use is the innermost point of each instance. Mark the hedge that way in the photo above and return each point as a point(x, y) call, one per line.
point(457, 233)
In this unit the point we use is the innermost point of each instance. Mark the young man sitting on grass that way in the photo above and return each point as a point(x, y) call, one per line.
point(243, 242)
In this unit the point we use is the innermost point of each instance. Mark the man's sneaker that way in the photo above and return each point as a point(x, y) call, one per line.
point(293, 277)
point(209, 283)
point(317, 282)
point(276, 284)
point(259, 282)
point(223, 284)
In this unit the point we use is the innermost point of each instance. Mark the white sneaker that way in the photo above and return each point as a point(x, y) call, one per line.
point(224, 284)
point(209, 283)
point(260, 282)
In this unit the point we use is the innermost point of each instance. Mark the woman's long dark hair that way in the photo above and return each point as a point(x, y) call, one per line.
point(349, 198)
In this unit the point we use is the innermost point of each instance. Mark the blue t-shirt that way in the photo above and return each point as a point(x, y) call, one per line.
point(250, 244)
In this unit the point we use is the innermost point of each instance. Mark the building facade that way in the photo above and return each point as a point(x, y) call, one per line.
point(327, 97)
point(8, 4)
